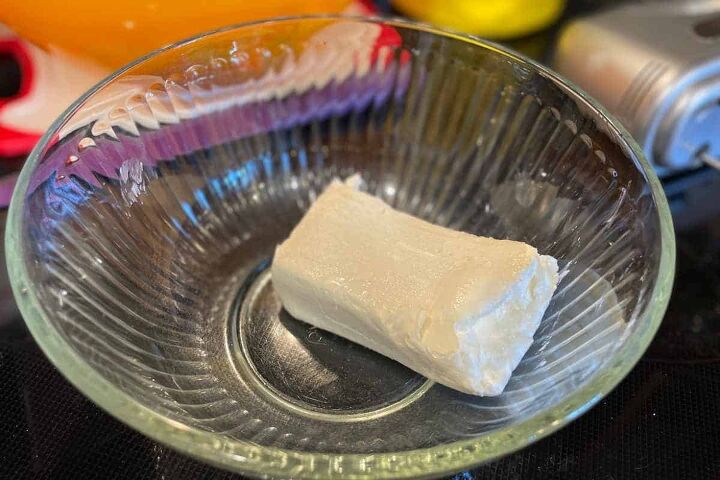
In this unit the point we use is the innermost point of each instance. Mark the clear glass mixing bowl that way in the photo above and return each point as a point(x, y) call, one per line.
point(143, 224)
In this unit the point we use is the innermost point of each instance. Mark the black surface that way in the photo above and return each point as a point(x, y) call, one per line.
point(9, 76)
point(661, 422)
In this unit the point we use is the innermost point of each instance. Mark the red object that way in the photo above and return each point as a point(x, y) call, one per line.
point(14, 142)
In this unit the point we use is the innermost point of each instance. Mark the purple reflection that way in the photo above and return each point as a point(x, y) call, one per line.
point(233, 123)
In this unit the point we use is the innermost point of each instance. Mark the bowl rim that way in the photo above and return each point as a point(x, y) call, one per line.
point(249, 458)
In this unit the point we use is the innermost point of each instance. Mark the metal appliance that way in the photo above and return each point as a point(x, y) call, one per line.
point(655, 65)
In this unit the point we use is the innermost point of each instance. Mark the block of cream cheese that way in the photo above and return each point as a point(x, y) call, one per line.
point(457, 308)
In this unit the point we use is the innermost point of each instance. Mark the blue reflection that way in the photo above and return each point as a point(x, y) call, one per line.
point(55, 199)
point(268, 164)
point(241, 178)
point(216, 186)
point(202, 199)
point(188, 209)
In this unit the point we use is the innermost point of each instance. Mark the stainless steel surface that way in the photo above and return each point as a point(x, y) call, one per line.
point(656, 66)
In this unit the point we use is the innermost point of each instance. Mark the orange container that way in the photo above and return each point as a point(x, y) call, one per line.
point(113, 33)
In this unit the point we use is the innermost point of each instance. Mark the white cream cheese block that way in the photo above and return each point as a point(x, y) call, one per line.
point(457, 308)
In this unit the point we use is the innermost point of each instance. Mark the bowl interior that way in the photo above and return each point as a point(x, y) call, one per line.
point(147, 219)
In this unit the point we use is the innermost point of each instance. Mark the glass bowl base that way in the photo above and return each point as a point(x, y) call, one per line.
point(310, 371)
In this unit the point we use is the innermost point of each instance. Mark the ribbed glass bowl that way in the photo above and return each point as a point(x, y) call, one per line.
point(143, 224)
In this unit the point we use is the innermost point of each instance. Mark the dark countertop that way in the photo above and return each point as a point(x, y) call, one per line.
point(661, 422)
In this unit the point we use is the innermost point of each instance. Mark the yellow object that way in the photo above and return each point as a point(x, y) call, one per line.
point(497, 19)
point(113, 33)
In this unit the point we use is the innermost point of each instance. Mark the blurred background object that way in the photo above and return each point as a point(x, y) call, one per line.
point(494, 19)
point(53, 58)
point(38, 86)
point(656, 67)
point(114, 33)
